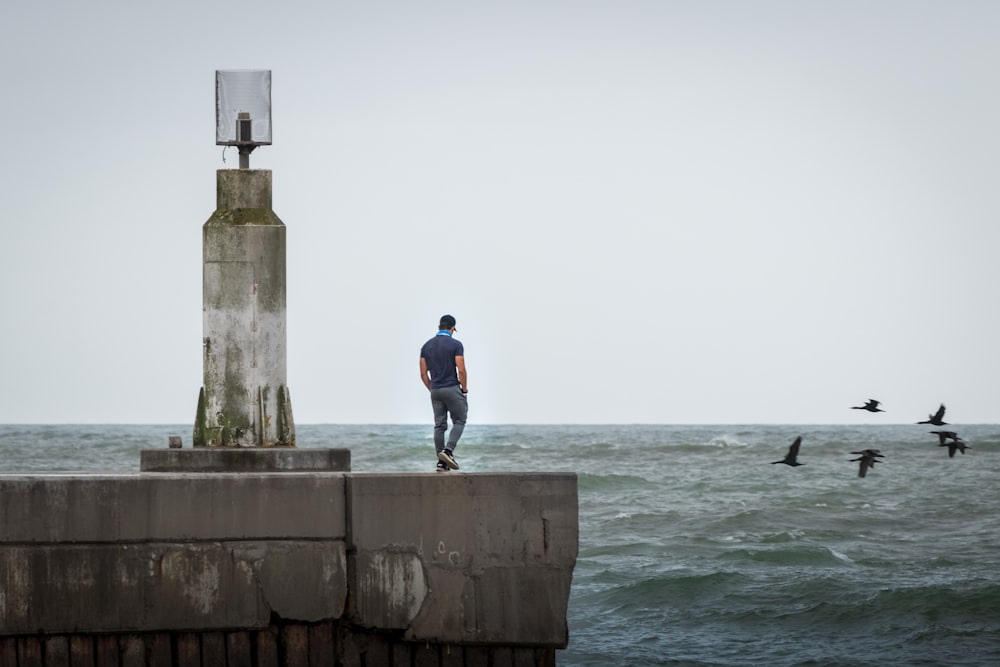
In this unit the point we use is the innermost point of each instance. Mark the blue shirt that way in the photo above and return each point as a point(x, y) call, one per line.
point(439, 353)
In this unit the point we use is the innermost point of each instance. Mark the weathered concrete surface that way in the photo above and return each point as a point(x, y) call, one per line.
point(244, 400)
point(61, 508)
point(158, 586)
point(244, 459)
point(430, 559)
point(118, 553)
point(463, 558)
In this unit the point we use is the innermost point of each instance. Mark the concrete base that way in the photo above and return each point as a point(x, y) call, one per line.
point(245, 459)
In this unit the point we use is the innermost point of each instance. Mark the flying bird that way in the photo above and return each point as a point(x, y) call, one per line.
point(868, 459)
point(792, 457)
point(870, 406)
point(945, 436)
point(937, 419)
point(955, 445)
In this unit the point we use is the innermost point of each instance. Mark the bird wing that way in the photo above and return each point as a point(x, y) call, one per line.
point(940, 413)
point(793, 450)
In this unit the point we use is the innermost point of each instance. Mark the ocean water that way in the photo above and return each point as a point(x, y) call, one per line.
point(694, 550)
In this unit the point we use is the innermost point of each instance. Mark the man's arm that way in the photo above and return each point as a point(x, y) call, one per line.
point(425, 375)
point(463, 377)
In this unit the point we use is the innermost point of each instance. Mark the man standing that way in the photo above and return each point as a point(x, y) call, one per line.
point(442, 370)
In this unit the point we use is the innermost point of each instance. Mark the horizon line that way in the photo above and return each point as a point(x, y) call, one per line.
point(603, 424)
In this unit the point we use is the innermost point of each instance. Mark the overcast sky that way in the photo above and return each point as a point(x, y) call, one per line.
point(638, 212)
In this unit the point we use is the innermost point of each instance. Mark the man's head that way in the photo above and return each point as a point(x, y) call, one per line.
point(447, 322)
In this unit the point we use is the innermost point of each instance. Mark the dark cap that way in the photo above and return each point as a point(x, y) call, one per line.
point(447, 322)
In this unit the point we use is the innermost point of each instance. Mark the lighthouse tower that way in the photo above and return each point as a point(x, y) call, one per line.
point(244, 400)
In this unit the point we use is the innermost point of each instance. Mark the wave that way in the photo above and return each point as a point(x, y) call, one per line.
point(588, 482)
point(796, 554)
point(968, 603)
point(669, 590)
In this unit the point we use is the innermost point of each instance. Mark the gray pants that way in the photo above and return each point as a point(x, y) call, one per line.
point(449, 400)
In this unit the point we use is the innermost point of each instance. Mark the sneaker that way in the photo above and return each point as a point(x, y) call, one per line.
point(446, 458)
point(441, 467)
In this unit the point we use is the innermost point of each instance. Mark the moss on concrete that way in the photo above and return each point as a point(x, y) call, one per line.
point(244, 216)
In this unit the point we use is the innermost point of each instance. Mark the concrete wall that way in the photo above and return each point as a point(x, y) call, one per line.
point(463, 558)
point(114, 553)
point(441, 560)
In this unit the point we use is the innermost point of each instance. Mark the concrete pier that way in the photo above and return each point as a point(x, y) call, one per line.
point(285, 568)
